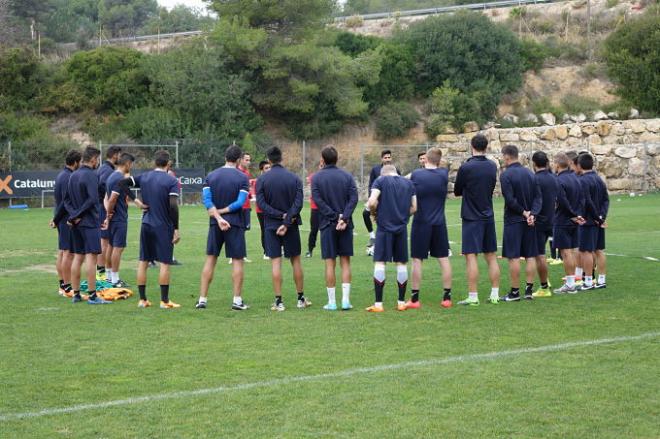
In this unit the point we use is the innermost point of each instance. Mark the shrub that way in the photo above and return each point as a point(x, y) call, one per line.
point(543, 105)
point(533, 54)
point(395, 119)
point(632, 54)
point(574, 104)
point(20, 78)
point(354, 21)
point(450, 107)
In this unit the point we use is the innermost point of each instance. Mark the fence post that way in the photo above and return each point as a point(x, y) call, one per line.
point(304, 157)
point(177, 153)
point(9, 162)
point(101, 149)
point(362, 168)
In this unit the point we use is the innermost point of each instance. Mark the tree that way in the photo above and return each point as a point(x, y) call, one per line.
point(285, 18)
point(20, 73)
point(179, 19)
point(464, 48)
point(632, 54)
point(125, 17)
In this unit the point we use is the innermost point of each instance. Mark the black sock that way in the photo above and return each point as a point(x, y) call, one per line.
point(92, 295)
point(447, 294)
point(529, 288)
point(142, 289)
point(165, 293)
point(62, 283)
point(76, 294)
point(67, 288)
point(544, 285)
point(515, 291)
point(378, 286)
point(100, 268)
point(414, 296)
point(278, 300)
point(402, 290)
point(301, 296)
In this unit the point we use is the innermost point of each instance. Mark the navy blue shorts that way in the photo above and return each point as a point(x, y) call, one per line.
point(233, 240)
point(64, 237)
point(519, 241)
point(290, 242)
point(588, 238)
point(542, 236)
point(479, 237)
point(105, 234)
point(600, 242)
point(156, 243)
point(565, 237)
point(86, 240)
point(391, 247)
point(117, 232)
point(428, 239)
point(335, 243)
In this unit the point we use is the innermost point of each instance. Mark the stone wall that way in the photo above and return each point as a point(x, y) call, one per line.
point(627, 152)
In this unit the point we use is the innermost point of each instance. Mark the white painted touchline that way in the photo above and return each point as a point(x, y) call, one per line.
point(320, 377)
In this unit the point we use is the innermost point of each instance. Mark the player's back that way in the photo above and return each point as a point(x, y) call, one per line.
point(226, 183)
point(394, 202)
point(517, 183)
point(547, 182)
point(335, 188)
point(156, 187)
point(569, 188)
point(82, 189)
point(431, 192)
point(475, 182)
point(112, 185)
point(105, 170)
point(61, 185)
point(591, 193)
point(279, 187)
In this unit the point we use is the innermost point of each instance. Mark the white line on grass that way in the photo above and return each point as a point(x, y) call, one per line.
point(324, 376)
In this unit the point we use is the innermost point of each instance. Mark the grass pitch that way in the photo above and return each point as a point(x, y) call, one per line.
point(310, 373)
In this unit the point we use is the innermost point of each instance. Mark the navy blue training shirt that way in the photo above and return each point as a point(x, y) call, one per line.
point(335, 193)
point(226, 183)
point(156, 188)
point(61, 187)
point(280, 192)
point(547, 182)
point(121, 208)
point(104, 172)
point(431, 191)
point(593, 197)
point(569, 199)
point(82, 197)
point(394, 202)
point(375, 173)
point(520, 193)
point(604, 200)
point(475, 182)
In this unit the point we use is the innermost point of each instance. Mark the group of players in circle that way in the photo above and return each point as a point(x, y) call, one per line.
point(570, 205)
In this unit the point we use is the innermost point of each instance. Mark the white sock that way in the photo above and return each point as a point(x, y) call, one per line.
point(372, 235)
point(331, 296)
point(601, 278)
point(202, 299)
point(494, 293)
point(570, 281)
point(238, 300)
point(588, 280)
point(114, 276)
point(473, 295)
point(378, 304)
point(379, 273)
point(401, 274)
point(401, 302)
point(345, 293)
point(578, 272)
point(108, 274)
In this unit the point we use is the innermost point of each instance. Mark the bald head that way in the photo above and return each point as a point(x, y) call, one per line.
point(388, 170)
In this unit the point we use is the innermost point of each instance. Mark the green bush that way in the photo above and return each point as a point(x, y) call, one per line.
point(17, 127)
point(354, 44)
point(396, 80)
point(451, 108)
point(575, 104)
point(632, 54)
point(543, 105)
point(533, 54)
point(20, 78)
point(154, 124)
point(395, 119)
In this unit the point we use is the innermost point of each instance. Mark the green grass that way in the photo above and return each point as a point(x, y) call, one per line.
point(54, 354)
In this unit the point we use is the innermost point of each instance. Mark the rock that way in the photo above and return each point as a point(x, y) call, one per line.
point(594, 139)
point(653, 125)
point(495, 146)
point(599, 115)
point(613, 115)
point(511, 118)
point(579, 118)
point(449, 130)
point(588, 129)
point(611, 140)
point(652, 150)
point(575, 131)
point(636, 126)
point(625, 152)
point(649, 137)
point(636, 167)
point(599, 149)
point(603, 128)
point(618, 130)
point(458, 147)
point(574, 143)
point(566, 118)
point(470, 127)
point(611, 167)
point(531, 118)
point(562, 132)
point(446, 138)
point(548, 118)
point(634, 113)
point(549, 134)
point(509, 137)
point(491, 124)
point(528, 136)
point(619, 184)
point(492, 134)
